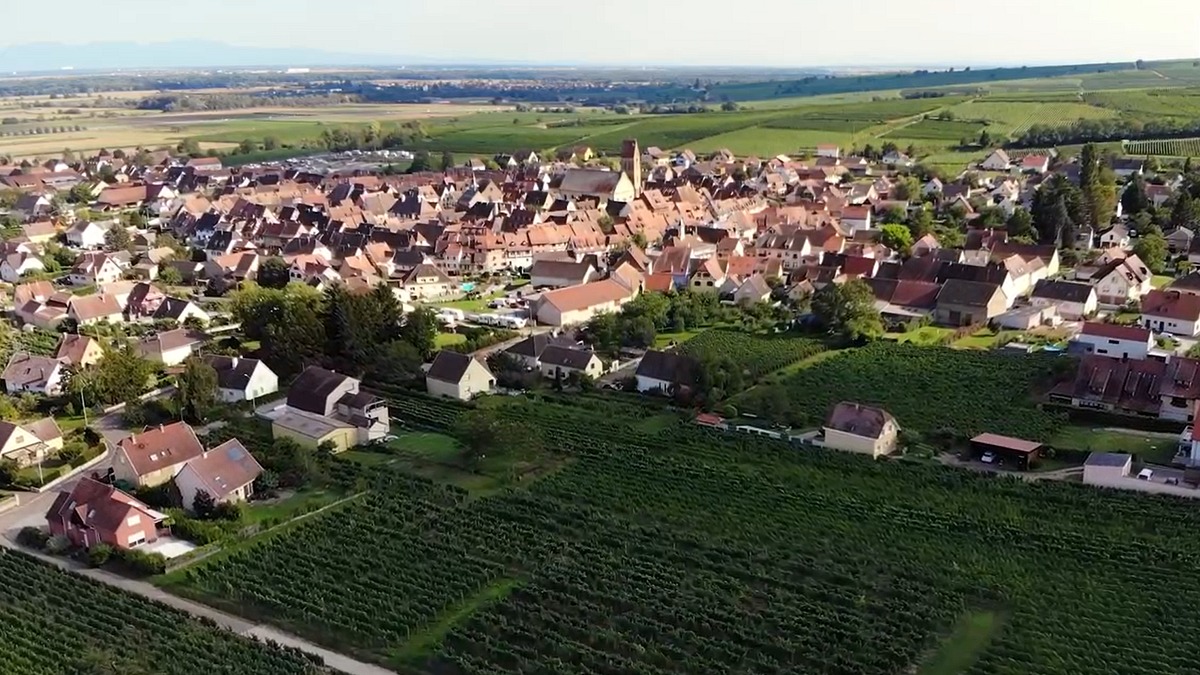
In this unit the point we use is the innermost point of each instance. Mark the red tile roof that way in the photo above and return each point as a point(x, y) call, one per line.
point(1172, 305)
point(1116, 332)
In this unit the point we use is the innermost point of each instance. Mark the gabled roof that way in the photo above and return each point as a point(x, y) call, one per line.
point(858, 419)
point(1171, 304)
point(1116, 332)
point(159, 447)
point(449, 366)
point(25, 369)
point(45, 430)
point(224, 469)
point(967, 293)
point(233, 372)
point(669, 367)
point(1064, 291)
point(92, 504)
point(311, 390)
point(72, 348)
point(567, 357)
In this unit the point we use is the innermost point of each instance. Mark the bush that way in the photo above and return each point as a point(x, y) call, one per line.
point(141, 563)
point(228, 511)
point(33, 537)
point(57, 545)
point(99, 554)
point(199, 532)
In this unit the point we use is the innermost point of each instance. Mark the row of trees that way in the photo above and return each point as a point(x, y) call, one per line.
point(1100, 130)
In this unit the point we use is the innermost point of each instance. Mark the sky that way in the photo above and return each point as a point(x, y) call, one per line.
point(789, 33)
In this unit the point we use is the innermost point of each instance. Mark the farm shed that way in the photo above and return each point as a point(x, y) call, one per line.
point(1016, 452)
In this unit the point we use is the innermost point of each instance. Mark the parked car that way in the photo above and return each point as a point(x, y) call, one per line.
point(988, 458)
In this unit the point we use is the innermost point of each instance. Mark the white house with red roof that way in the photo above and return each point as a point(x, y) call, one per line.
point(1170, 311)
point(1110, 339)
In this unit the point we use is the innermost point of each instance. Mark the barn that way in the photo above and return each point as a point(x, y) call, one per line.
point(1012, 452)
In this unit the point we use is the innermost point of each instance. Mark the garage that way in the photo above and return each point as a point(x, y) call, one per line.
point(1005, 451)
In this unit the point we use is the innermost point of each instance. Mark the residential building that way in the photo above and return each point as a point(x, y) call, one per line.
point(153, 456)
point(30, 442)
point(86, 235)
point(560, 273)
point(457, 375)
point(1170, 311)
point(561, 361)
point(92, 309)
point(964, 303)
point(226, 472)
point(1074, 300)
point(854, 427)
point(28, 373)
point(997, 161)
point(1141, 387)
point(1109, 339)
point(79, 351)
point(1122, 281)
point(324, 406)
point(92, 513)
point(95, 268)
point(578, 304)
point(16, 265)
point(666, 373)
point(171, 347)
point(242, 379)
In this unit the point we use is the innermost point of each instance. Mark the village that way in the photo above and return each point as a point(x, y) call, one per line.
point(165, 297)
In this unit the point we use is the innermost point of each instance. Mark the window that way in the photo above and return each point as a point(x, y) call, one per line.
point(133, 520)
point(1113, 342)
point(136, 539)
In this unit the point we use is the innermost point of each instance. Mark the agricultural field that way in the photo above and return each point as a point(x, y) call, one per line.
point(687, 551)
point(758, 354)
point(925, 388)
point(58, 622)
point(1175, 147)
point(1011, 118)
point(943, 131)
point(1146, 104)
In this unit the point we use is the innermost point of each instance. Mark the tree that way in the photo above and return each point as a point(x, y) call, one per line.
point(1135, 200)
point(1020, 224)
point(420, 162)
point(1097, 183)
point(189, 146)
point(447, 160)
point(247, 146)
point(420, 330)
point(135, 219)
point(484, 432)
point(80, 193)
point(203, 504)
point(907, 188)
point(848, 310)
point(273, 273)
point(1152, 249)
point(169, 275)
point(920, 223)
point(117, 239)
point(270, 143)
point(896, 237)
point(196, 390)
point(985, 139)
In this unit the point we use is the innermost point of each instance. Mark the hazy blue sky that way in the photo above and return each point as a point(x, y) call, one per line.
point(774, 32)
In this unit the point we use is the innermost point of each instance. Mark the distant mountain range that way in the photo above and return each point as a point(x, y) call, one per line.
point(54, 56)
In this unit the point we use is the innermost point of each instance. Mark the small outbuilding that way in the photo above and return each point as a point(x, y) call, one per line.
point(1016, 452)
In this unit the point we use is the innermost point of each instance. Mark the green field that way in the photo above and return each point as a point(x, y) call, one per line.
point(675, 550)
point(1176, 147)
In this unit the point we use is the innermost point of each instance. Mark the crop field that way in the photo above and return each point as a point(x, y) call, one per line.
point(58, 622)
point(1010, 118)
point(1175, 147)
point(946, 131)
point(758, 354)
point(925, 388)
point(770, 142)
point(688, 551)
point(1150, 103)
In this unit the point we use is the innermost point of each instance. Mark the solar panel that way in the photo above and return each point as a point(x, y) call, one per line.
point(235, 452)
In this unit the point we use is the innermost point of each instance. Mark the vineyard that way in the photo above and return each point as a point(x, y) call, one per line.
point(688, 551)
point(759, 354)
point(57, 622)
point(966, 391)
point(1174, 147)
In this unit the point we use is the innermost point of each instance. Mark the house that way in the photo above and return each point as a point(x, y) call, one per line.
point(1117, 235)
point(550, 273)
point(79, 351)
point(96, 308)
point(30, 442)
point(40, 232)
point(1140, 387)
point(1038, 164)
point(171, 347)
point(18, 264)
point(33, 374)
point(1122, 281)
point(561, 361)
point(226, 472)
point(598, 184)
point(95, 268)
point(86, 235)
point(1073, 299)
point(1179, 240)
point(666, 373)
point(1108, 339)
point(830, 151)
point(1107, 469)
point(857, 217)
point(528, 352)
point(578, 304)
point(425, 282)
point(753, 290)
point(997, 161)
point(1127, 167)
point(1170, 311)
point(153, 456)
point(1028, 318)
point(854, 427)
point(895, 158)
point(324, 406)
point(31, 205)
point(94, 513)
point(964, 303)
point(457, 375)
point(242, 379)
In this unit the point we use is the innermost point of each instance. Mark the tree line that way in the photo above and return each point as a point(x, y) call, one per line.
point(1101, 130)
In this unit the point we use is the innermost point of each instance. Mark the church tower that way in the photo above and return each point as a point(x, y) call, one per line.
point(631, 164)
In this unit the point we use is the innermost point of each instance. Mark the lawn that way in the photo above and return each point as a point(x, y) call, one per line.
point(1160, 280)
point(444, 340)
point(1148, 447)
point(959, 651)
point(665, 339)
point(983, 339)
point(291, 506)
point(926, 336)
